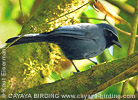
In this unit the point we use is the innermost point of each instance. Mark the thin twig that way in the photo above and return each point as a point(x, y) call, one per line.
point(133, 31)
point(70, 12)
point(24, 21)
point(120, 30)
point(20, 3)
point(123, 6)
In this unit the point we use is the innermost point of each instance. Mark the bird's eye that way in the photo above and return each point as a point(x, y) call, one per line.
point(110, 34)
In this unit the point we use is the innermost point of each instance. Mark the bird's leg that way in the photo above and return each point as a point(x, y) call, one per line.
point(92, 61)
point(75, 66)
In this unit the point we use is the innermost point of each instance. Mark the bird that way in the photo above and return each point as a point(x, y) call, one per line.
point(77, 41)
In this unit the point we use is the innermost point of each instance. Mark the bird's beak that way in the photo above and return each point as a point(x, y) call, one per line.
point(117, 43)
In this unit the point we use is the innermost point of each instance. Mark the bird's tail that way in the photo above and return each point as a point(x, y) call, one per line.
point(29, 38)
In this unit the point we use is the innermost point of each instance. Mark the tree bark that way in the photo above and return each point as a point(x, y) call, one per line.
point(91, 81)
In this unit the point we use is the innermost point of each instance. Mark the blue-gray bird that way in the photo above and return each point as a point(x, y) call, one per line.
point(78, 41)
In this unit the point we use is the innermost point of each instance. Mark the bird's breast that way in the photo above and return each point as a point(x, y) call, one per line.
point(76, 49)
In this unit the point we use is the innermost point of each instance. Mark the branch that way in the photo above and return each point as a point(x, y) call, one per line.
point(93, 80)
point(133, 30)
point(120, 30)
point(24, 20)
point(91, 1)
point(123, 6)
point(133, 38)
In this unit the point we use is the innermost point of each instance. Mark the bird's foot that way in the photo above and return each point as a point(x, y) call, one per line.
point(91, 66)
point(93, 61)
point(75, 72)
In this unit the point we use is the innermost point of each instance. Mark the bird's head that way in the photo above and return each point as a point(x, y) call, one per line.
point(111, 35)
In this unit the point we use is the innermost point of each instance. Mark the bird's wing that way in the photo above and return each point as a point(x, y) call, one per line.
point(78, 31)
